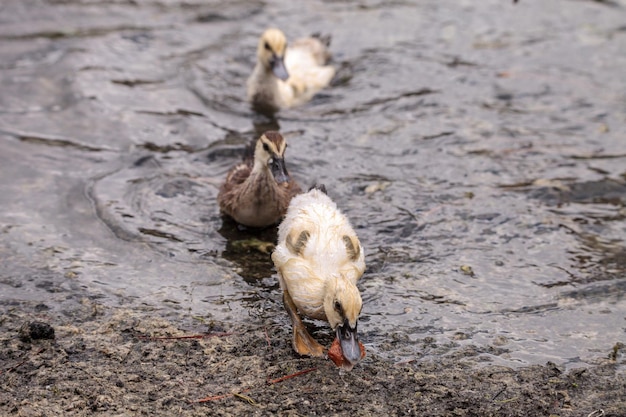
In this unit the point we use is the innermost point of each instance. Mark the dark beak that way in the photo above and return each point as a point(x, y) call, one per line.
point(279, 171)
point(278, 67)
point(349, 342)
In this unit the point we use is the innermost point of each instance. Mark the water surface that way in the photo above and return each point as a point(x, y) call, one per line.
point(478, 149)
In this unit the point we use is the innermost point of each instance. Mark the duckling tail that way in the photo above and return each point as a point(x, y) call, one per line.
point(320, 187)
point(324, 39)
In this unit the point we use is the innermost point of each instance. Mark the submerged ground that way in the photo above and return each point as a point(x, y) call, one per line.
point(477, 148)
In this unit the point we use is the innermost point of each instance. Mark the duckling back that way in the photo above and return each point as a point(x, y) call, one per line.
point(316, 232)
point(306, 63)
point(317, 254)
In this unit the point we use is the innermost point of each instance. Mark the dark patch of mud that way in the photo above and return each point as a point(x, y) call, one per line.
point(122, 362)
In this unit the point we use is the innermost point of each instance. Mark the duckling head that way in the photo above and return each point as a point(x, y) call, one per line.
point(271, 52)
point(342, 305)
point(270, 153)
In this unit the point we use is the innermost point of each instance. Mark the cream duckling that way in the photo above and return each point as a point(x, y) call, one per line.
point(257, 192)
point(288, 76)
point(319, 261)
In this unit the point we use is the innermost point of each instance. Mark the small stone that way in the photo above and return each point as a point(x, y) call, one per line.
point(35, 330)
point(377, 186)
point(467, 270)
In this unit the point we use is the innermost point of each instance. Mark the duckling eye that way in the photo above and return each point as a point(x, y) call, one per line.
point(266, 148)
point(267, 47)
point(338, 306)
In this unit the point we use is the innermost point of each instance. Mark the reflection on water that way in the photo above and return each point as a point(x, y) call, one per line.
point(249, 250)
point(456, 138)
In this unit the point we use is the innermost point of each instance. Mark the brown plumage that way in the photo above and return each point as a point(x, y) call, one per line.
point(257, 192)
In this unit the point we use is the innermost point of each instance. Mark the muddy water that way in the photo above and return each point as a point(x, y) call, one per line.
point(478, 147)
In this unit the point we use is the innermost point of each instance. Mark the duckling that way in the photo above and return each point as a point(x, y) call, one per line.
point(257, 192)
point(319, 261)
point(288, 76)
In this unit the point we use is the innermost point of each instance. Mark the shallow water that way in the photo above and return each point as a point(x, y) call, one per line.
point(477, 147)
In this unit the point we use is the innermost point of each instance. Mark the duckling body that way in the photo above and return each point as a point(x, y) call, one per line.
point(319, 260)
point(288, 76)
point(257, 192)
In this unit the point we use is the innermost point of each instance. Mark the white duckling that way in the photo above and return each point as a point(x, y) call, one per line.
point(256, 192)
point(319, 261)
point(288, 76)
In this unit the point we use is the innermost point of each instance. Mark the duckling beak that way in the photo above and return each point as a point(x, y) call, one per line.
point(349, 342)
point(278, 67)
point(279, 171)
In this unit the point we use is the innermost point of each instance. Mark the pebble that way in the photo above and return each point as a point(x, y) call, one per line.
point(35, 330)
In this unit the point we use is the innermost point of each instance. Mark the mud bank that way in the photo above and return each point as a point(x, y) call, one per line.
point(128, 362)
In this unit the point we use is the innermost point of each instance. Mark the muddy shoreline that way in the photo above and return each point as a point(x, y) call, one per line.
point(124, 362)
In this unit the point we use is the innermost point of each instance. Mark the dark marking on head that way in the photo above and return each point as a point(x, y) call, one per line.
point(353, 250)
point(274, 137)
point(297, 247)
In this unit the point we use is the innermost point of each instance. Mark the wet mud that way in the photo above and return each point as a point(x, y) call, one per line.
point(129, 362)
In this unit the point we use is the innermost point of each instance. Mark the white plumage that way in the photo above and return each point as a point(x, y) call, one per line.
point(319, 259)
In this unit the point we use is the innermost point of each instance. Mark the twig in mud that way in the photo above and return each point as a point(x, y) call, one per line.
point(499, 392)
point(267, 337)
point(245, 398)
point(405, 362)
point(284, 378)
point(222, 396)
point(214, 398)
point(193, 336)
point(437, 135)
point(508, 400)
point(248, 399)
point(13, 368)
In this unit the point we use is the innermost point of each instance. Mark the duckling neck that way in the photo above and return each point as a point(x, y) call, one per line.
point(259, 169)
point(266, 187)
point(264, 88)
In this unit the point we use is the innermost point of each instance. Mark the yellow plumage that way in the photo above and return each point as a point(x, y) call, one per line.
point(319, 259)
point(286, 76)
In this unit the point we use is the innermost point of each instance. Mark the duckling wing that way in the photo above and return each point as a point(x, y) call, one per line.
point(308, 81)
point(315, 230)
point(227, 195)
point(237, 175)
point(304, 270)
point(353, 265)
point(315, 49)
point(308, 74)
point(296, 275)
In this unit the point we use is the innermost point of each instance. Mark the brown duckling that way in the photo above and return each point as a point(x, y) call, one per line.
point(257, 192)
